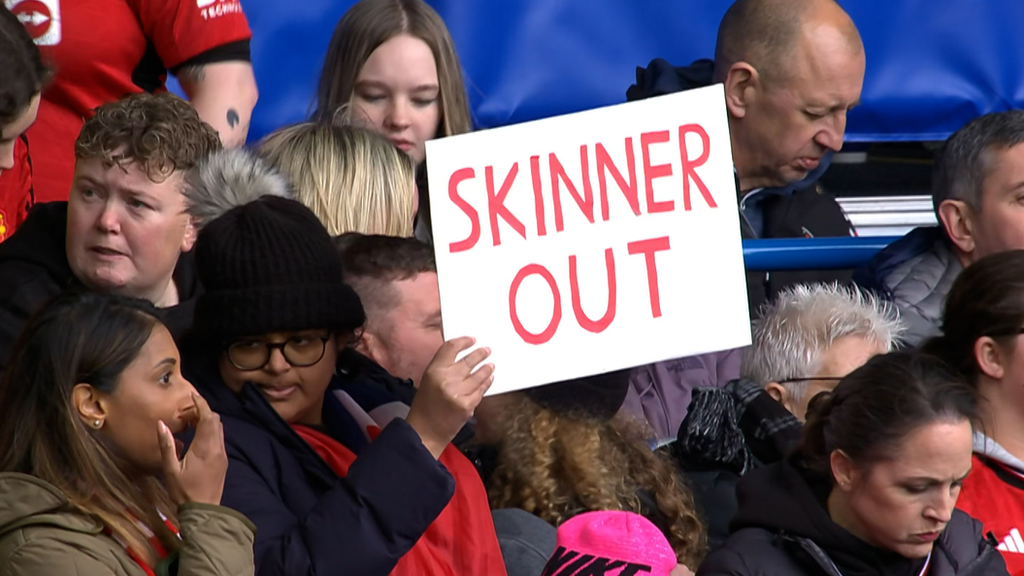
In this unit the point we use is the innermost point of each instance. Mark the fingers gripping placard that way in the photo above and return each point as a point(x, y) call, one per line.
point(593, 241)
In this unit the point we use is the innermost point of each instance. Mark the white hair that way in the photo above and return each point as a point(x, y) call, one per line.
point(803, 322)
point(229, 178)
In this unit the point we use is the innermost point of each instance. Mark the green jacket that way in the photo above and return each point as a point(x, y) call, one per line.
point(41, 535)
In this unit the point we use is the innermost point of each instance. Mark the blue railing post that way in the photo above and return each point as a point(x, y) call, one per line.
point(811, 253)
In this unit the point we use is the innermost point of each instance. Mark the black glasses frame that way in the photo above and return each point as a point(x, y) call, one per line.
point(271, 346)
point(809, 379)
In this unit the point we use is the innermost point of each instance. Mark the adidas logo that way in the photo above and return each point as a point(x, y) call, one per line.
point(1012, 543)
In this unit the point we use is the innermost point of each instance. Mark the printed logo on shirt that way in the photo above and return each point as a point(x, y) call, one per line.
point(40, 17)
point(3, 226)
point(211, 9)
point(1012, 543)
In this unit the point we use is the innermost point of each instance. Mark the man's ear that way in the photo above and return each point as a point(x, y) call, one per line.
point(191, 233)
point(779, 393)
point(372, 347)
point(741, 85)
point(89, 405)
point(957, 220)
point(990, 358)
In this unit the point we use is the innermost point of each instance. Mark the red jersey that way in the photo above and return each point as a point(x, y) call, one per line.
point(103, 50)
point(15, 191)
point(994, 494)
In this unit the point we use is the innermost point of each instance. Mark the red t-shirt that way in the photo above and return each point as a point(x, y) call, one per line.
point(994, 494)
point(103, 50)
point(15, 191)
point(461, 540)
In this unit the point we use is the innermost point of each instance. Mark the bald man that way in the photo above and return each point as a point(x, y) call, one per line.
point(792, 69)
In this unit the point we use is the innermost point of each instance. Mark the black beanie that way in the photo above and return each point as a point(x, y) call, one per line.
point(599, 396)
point(270, 266)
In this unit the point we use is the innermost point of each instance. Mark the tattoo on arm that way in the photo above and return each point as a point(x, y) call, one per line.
point(192, 74)
point(232, 118)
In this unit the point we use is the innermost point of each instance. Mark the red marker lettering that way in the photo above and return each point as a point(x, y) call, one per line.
point(652, 172)
point(457, 178)
point(648, 248)
point(574, 287)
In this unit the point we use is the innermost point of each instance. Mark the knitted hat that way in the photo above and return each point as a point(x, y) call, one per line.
point(268, 265)
point(612, 542)
point(599, 396)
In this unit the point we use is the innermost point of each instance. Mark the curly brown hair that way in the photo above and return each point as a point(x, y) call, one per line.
point(161, 133)
point(556, 466)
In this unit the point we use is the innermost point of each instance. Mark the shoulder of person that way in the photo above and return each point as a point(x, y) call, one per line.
point(51, 549)
point(747, 552)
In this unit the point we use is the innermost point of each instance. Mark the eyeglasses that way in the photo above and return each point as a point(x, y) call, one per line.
point(811, 379)
point(299, 351)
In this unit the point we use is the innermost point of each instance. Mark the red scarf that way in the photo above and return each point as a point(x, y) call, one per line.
point(154, 542)
point(460, 541)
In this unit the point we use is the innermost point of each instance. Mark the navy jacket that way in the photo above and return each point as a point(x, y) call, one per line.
point(309, 521)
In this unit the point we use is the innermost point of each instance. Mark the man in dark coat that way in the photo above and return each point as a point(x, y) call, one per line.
point(791, 70)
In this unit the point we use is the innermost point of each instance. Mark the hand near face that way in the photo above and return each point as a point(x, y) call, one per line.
point(199, 476)
point(681, 570)
point(449, 393)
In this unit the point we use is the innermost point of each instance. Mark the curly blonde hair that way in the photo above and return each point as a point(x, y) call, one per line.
point(556, 466)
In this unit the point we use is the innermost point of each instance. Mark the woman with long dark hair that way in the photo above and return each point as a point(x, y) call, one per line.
point(90, 479)
point(981, 337)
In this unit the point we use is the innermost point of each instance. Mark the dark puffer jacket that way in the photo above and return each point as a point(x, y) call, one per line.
point(783, 528)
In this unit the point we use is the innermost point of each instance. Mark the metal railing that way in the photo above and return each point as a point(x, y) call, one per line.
point(811, 253)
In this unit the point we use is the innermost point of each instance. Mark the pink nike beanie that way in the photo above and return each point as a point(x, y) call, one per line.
point(614, 543)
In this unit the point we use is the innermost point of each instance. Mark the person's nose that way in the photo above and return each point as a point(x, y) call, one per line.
point(400, 114)
point(277, 363)
point(831, 137)
point(109, 219)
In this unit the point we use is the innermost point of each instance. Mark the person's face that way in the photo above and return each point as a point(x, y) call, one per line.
point(800, 115)
point(125, 231)
point(411, 331)
point(397, 91)
point(845, 355)
point(295, 392)
point(905, 501)
point(999, 224)
point(150, 390)
point(10, 132)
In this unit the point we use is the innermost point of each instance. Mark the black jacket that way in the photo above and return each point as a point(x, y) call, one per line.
point(728, 432)
point(802, 209)
point(309, 521)
point(783, 528)
point(34, 268)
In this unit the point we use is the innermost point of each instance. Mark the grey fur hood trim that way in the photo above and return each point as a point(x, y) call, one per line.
point(227, 179)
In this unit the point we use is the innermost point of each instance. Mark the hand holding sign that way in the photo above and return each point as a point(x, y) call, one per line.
point(449, 394)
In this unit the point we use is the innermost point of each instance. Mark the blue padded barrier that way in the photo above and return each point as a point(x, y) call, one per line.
point(932, 65)
point(811, 253)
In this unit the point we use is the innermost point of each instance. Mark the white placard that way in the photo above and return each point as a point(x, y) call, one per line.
point(593, 241)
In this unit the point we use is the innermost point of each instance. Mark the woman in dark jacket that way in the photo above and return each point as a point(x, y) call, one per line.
point(338, 479)
point(873, 487)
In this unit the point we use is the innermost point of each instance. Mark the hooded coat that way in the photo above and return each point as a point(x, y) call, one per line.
point(42, 535)
point(783, 528)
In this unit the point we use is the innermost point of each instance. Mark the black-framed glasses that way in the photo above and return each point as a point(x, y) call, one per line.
point(810, 379)
point(299, 351)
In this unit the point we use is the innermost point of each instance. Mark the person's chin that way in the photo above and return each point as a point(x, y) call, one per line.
point(914, 550)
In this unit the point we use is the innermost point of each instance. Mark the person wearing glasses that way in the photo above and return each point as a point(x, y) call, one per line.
point(803, 343)
point(337, 478)
point(982, 327)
